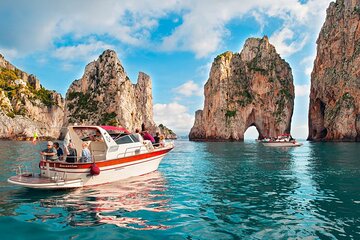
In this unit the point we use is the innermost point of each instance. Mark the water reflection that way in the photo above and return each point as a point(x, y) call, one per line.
point(333, 167)
point(250, 185)
point(115, 203)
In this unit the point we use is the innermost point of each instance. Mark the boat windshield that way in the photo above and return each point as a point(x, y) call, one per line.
point(131, 138)
point(88, 134)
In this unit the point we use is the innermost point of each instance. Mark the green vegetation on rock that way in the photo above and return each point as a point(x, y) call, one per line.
point(19, 93)
point(45, 96)
point(227, 55)
point(110, 119)
point(230, 114)
point(246, 98)
point(81, 106)
point(283, 98)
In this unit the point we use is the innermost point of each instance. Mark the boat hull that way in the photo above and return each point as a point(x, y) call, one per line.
point(60, 175)
point(282, 144)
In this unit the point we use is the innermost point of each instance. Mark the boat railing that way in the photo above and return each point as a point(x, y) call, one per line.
point(22, 170)
point(128, 150)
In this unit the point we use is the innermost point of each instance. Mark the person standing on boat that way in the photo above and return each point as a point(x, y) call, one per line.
point(71, 153)
point(157, 139)
point(85, 154)
point(59, 151)
point(146, 135)
point(50, 152)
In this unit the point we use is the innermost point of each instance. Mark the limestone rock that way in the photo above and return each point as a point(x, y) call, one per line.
point(253, 88)
point(166, 132)
point(334, 112)
point(26, 107)
point(106, 96)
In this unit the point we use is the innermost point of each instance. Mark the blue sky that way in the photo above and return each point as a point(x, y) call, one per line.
point(173, 41)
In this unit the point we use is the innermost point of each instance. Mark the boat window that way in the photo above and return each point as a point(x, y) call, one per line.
point(134, 138)
point(124, 139)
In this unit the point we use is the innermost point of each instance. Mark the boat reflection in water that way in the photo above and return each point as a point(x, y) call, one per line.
point(114, 203)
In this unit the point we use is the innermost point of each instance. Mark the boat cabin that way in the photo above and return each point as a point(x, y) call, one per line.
point(106, 142)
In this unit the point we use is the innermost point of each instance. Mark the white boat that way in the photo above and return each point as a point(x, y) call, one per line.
point(116, 156)
point(284, 140)
point(282, 144)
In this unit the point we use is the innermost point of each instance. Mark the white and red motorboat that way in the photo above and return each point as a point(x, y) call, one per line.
point(116, 154)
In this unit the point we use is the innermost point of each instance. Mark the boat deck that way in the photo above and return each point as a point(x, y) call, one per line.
point(35, 181)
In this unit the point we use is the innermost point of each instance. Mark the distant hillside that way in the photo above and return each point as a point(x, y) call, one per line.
point(168, 133)
point(103, 96)
point(27, 107)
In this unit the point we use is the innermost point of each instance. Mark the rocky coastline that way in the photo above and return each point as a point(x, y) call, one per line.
point(103, 96)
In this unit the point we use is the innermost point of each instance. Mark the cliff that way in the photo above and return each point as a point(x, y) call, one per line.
point(166, 132)
point(106, 96)
point(26, 107)
point(253, 88)
point(334, 112)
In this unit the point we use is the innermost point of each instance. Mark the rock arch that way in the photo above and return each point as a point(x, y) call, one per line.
point(253, 88)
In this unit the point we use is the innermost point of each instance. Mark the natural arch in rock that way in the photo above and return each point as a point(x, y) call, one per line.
point(252, 132)
point(253, 88)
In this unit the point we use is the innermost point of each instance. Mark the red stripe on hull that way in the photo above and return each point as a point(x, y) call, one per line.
point(106, 163)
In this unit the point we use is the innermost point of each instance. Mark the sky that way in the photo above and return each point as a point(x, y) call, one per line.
point(173, 41)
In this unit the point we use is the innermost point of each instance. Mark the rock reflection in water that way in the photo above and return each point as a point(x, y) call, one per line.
point(114, 203)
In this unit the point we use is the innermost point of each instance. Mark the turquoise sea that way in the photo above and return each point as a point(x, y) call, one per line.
point(201, 191)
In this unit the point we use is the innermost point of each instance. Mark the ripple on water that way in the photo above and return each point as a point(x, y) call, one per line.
point(201, 191)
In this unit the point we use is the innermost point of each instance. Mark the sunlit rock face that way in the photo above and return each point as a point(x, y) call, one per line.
point(251, 88)
point(26, 107)
point(105, 96)
point(334, 112)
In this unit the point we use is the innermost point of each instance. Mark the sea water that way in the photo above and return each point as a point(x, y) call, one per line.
point(200, 191)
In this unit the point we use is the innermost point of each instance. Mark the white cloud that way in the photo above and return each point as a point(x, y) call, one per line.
point(8, 53)
point(203, 27)
point(308, 64)
point(87, 52)
point(174, 116)
point(284, 42)
point(189, 89)
point(302, 90)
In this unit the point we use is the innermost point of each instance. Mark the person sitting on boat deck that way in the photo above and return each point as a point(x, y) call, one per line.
point(59, 151)
point(85, 154)
point(50, 152)
point(71, 153)
point(146, 135)
point(157, 139)
point(138, 135)
point(97, 137)
point(162, 140)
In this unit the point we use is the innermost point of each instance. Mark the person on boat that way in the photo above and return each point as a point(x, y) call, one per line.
point(85, 154)
point(50, 152)
point(157, 139)
point(162, 140)
point(97, 137)
point(71, 153)
point(146, 135)
point(59, 151)
point(35, 137)
point(138, 135)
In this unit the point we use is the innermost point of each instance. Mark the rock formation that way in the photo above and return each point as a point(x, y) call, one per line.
point(26, 107)
point(334, 112)
point(106, 96)
point(166, 132)
point(253, 88)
